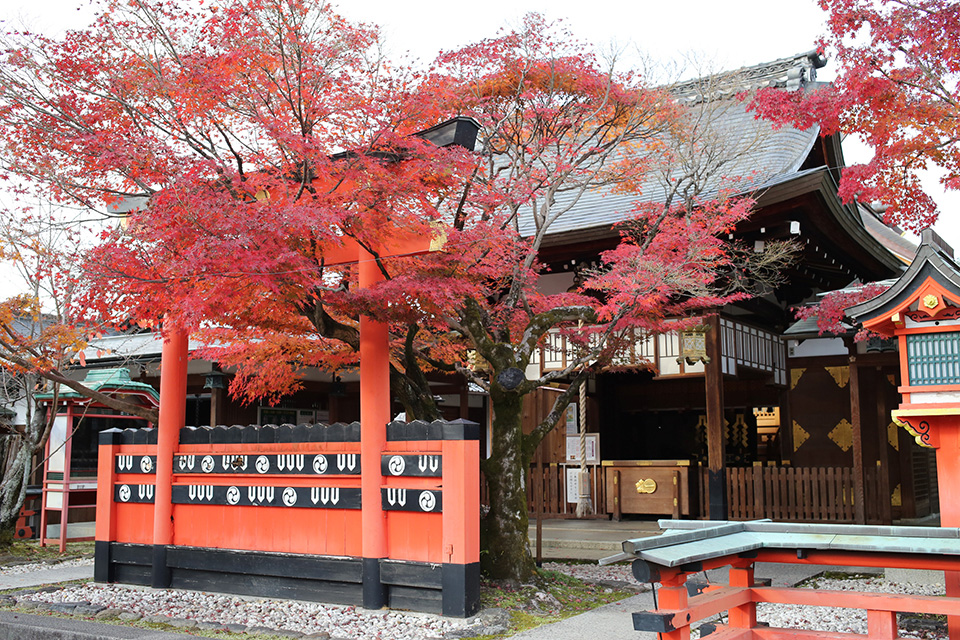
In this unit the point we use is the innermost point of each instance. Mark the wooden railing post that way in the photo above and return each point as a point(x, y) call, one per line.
point(617, 509)
point(673, 595)
point(743, 616)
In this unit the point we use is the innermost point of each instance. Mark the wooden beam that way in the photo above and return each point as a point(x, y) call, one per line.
point(716, 450)
point(858, 479)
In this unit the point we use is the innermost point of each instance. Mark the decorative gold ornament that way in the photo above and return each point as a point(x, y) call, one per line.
point(800, 436)
point(842, 434)
point(795, 377)
point(646, 485)
point(840, 375)
point(931, 301)
point(893, 435)
point(920, 431)
point(896, 499)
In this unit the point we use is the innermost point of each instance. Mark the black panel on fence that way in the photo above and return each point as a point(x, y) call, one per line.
point(436, 430)
point(417, 465)
point(423, 500)
point(421, 586)
point(261, 496)
point(269, 463)
point(126, 493)
point(136, 464)
point(271, 433)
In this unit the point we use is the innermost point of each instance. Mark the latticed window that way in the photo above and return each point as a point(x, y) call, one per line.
point(933, 358)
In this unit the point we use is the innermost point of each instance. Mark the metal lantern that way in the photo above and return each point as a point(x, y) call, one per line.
point(215, 380)
point(337, 388)
point(693, 345)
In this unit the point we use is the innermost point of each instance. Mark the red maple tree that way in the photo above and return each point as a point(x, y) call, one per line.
point(264, 134)
point(897, 88)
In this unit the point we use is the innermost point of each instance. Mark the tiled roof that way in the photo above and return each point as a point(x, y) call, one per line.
point(761, 154)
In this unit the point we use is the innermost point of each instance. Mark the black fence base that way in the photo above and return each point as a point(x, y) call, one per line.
point(448, 589)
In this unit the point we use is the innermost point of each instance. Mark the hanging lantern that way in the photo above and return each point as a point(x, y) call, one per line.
point(693, 345)
point(215, 380)
point(337, 388)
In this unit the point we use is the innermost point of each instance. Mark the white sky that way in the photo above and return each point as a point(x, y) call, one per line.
point(729, 34)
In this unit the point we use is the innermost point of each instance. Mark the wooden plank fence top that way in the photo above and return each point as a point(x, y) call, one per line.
point(687, 541)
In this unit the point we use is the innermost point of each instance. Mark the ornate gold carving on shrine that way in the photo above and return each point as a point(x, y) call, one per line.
point(842, 434)
point(795, 377)
point(892, 379)
point(840, 375)
point(738, 432)
point(895, 498)
point(800, 435)
point(931, 301)
point(646, 485)
point(919, 429)
point(893, 435)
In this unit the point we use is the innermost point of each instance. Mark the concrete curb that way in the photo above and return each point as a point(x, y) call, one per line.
point(26, 626)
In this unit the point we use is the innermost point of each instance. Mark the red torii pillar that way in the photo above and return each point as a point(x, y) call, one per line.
point(173, 393)
point(374, 416)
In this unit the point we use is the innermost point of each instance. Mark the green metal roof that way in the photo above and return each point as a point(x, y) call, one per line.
point(114, 381)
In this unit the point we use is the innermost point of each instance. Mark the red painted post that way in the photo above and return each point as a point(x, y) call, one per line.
point(461, 525)
point(948, 481)
point(106, 525)
point(673, 595)
point(374, 416)
point(745, 615)
point(173, 400)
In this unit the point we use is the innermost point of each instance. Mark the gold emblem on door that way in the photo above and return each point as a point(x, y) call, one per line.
point(648, 485)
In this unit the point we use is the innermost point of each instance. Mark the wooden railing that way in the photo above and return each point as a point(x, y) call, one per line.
point(555, 499)
point(786, 494)
point(799, 494)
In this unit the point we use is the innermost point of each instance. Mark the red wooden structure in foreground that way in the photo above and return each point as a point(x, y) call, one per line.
point(376, 515)
point(922, 310)
point(673, 557)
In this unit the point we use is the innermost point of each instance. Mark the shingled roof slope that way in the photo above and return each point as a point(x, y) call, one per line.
point(777, 157)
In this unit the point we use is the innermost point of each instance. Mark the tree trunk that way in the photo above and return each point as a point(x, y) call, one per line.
point(17, 456)
point(504, 529)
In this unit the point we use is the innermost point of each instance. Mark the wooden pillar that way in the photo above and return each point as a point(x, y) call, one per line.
point(859, 496)
point(883, 455)
point(173, 406)
point(216, 399)
point(465, 401)
point(716, 450)
point(374, 416)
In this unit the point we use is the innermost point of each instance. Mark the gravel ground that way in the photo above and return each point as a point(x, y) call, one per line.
point(304, 617)
point(290, 615)
point(620, 572)
point(356, 623)
point(19, 569)
point(844, 620)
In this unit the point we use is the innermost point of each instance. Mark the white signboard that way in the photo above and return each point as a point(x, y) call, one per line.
point(593, 448)
point(573, 484)
point(570, 420)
